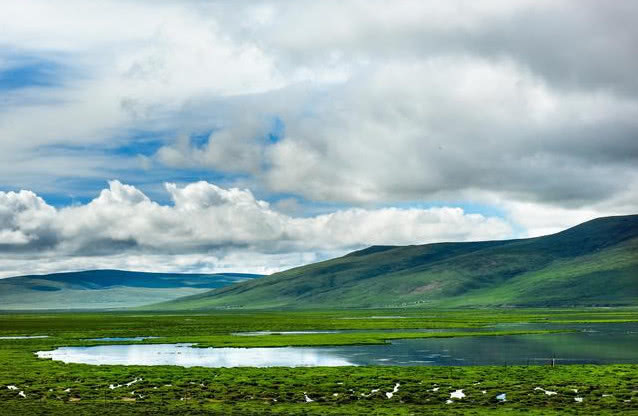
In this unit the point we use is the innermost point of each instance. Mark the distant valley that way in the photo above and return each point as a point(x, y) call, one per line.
point(105, 289)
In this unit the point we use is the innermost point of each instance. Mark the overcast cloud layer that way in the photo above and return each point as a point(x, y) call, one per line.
point(353, 122)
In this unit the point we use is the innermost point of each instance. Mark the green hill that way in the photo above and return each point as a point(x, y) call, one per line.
point(595, 263)
point(99, 289)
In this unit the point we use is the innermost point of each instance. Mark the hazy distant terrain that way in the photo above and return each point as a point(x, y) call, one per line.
point(98, 289)
point(595, 263)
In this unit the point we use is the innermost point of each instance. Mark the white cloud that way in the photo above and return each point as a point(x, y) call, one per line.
point(529, 107)
point(209, 228)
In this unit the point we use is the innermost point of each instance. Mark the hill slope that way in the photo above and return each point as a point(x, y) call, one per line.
point(98, 289)
point(595, 263)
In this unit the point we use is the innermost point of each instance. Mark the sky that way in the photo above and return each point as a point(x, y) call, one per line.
point(255, 136)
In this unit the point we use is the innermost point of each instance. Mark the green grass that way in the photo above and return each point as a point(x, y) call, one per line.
point(595, 263)
point(75, 389)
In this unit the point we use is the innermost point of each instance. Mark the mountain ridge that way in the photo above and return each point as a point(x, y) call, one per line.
point(594, 263)
point(105, 288)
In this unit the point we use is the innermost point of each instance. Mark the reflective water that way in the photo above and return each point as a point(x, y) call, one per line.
point(262, 333)
point(593, 343)
point(353, 331)
point(115, 339)
point(25, 337)
point(187, 356)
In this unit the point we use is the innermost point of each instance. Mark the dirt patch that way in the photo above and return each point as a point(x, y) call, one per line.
point(428, 288)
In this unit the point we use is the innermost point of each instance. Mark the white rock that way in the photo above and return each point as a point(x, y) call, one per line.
point(458, 394)
point(547, 392)
point(130, 383)
point(394, 390)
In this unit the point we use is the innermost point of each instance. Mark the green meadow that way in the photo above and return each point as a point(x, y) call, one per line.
point(52, 387)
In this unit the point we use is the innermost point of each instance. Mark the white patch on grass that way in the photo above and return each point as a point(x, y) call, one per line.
point(502, 397)
point(21, 394)
point(547, 392)
point(12, 387)
point(130, 383)
point(457, 394)
point(394, 390)
point(448, 401)
point(578, 399)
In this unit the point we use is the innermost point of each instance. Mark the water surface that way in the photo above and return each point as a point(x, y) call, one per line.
point(25, 337)
point(187, 356)
point(593, 343)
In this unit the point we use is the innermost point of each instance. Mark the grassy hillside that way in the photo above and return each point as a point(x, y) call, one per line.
point(595, 263)
point(96, 289)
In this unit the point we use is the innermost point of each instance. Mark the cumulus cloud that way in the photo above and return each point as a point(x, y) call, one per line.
point(208, 227)
point(529, 108)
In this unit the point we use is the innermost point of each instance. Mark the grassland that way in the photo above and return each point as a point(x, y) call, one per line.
point(56, 388)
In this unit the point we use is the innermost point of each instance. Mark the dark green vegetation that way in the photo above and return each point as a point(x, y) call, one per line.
point(95, 289)
point(595, 263)
point(56, 388)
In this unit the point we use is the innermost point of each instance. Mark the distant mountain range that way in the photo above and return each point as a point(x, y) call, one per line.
point(104, 289)
point(595, 263)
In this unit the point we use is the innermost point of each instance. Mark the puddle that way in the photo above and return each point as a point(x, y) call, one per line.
point(376, 317)
point(261, 333)
point(26, 337)
point(116, 339)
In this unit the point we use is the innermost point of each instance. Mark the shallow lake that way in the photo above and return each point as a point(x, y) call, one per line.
point(593, 343)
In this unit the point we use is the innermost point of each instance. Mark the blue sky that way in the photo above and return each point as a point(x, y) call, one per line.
point(274, 123)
